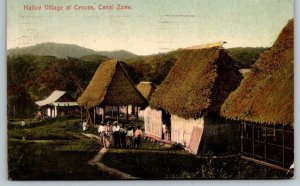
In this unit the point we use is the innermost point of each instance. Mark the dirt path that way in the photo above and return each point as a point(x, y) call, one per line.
point(91, 136)
point(96, 161)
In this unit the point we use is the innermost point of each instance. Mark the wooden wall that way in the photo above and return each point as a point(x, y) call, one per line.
point(153, 122)
point(221, 138)
point(181, 129)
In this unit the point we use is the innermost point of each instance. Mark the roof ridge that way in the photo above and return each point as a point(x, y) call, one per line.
point(111, 78)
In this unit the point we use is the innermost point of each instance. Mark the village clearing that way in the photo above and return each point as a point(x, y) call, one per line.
point(56, 149)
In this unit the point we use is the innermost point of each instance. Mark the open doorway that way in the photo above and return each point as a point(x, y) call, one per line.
point(166, 129)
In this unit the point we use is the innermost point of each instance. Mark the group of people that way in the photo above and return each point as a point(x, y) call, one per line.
point(120, 137)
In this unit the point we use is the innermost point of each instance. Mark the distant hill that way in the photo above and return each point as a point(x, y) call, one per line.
point(119, 54)
point(67, 50)
point(93, 57)
point(156, 67)
point(245, 57)
point(152, 68)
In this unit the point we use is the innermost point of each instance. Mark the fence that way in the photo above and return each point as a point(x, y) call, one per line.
point(272, 144)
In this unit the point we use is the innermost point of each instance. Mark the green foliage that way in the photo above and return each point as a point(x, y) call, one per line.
point(153, 68)
point(58, 160)
point(174, 164)
point(32, 78)
point(56, 129)
point(93, 58)
point(245, 57)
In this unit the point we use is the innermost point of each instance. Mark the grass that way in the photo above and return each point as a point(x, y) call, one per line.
point(59, 129)
point(51, 161)
point(174, 164)
point(55, 150)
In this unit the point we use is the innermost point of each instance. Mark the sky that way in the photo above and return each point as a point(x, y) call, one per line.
point(150, 26)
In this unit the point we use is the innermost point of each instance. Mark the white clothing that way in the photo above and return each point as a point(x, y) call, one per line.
point(84, 125)
point(116, 128)
point(129, 133)
point(164, 128)
point(100, 129)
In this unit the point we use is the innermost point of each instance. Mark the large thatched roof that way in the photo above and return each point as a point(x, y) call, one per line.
point(200, 81)
point(266, 95)
point(111, 85)
point(146, 89)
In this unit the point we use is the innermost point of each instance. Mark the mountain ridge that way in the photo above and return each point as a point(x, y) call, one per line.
point(62, 50)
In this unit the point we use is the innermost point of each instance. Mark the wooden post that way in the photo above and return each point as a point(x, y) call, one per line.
point(242, 137)
point(94, 115)
point(55, 111)
point(127, 117)
point(253, 141)
point(81, 113)
point(137, 114)
point(43, 113)
point(87, 116)
point(118, 113)
point(103, 114)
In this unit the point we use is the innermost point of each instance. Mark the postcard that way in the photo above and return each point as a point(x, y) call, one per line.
point(150, 89)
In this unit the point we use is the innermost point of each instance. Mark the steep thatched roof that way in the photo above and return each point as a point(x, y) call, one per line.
point(111, 85)
point(266, 95)
point(146, 89)
point(200, 81)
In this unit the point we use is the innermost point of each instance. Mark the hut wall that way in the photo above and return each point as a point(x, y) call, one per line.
point(141, 113)
point(220, 138)
point(48, 112)
point(153, 122)
point(52, 113)
point(181, 129)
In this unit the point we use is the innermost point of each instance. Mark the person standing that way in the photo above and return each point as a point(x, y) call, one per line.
point(163, 132)
point(84, 126)
point(123, 133)
point(109, 132)
point(129, 137)
point(101, 131)
point(137, 137)
point(116, 134)
point(167, 134)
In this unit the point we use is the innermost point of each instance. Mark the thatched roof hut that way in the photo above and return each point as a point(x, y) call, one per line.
point(200, 81)
point(57, 103)
point(146, 89)
point(58, 98)
point(112, 86)
point(266, 95)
